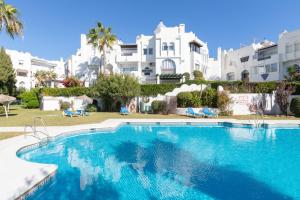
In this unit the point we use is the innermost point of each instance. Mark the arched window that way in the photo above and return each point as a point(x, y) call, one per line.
point(245, 75)
point(168, 67)
point(22, 84)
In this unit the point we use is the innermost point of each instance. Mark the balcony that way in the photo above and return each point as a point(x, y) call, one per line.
point(128, 57)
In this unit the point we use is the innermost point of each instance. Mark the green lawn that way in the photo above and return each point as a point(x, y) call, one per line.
point(21, 117)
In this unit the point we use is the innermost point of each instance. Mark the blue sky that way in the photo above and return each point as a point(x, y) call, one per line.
point(53, 27)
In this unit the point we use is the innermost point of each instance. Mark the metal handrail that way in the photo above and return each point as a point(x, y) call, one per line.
point(34, 128)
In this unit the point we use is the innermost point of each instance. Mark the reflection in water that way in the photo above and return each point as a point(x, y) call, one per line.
point(164, 158)
point(88, 173)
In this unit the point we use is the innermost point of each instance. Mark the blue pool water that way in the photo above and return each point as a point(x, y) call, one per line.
point(173, 162)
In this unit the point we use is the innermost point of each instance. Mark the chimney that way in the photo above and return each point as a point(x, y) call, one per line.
point(181, 28)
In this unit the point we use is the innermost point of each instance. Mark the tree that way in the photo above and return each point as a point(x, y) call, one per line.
point(7, 73)
point(283, 92)
point(293, 73)
point(101, 38)
point(71, 82)
point(43, 77)
point(9, 19)
point(111, 87)
point(198, 75)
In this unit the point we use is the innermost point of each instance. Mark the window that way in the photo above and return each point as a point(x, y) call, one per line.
point(274, 67)
point(271, 68)
point(145, 51)
point(245, 59)
point(171, 47)
point(230, 76)
point(168, 67)
point(297, 46)
point(21, 73)
point(194, 47)
point(165, 46)
point(21, 62)
point(150, 51)
point(197, 67)
point(288, 48)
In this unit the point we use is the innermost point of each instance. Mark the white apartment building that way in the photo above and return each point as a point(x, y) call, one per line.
point(27, 65)
point(265, 61)
point(161, 57)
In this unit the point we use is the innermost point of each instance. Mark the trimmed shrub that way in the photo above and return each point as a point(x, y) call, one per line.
point(67, 92)
point(30, 99)
point(187, 76)
point(159, 106)
point(64, 105)
point(91, 108)
point(295, 106)
point(184, 99)
point(155, 89)
point(198, 75)
point(223, 103)
point(209, 97)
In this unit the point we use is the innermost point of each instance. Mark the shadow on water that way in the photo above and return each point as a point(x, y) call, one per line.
point(219, 182)
point(57, 189)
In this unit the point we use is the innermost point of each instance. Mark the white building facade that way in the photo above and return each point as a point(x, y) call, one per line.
point(265, 61)
point(27, 65)
point(159, 58)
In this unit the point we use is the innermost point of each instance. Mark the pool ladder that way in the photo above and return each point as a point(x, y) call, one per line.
point(257, 121)
point(43, 135)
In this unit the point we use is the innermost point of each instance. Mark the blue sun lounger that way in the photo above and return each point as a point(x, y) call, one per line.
point(190, 112)
point(208, 113)
point(124, 111)
point(69, 113)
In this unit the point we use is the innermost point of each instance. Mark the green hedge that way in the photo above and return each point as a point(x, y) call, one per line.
point(155, 89)
point(159, 106)
point(295, 106)
point(67, 92)
point(30, 99)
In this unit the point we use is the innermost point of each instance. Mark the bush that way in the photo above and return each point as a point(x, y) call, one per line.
point(64, 105)
point(209, 97)
point(187, 76)
point(184, 99)
point(223, 103)
point(2, 110)
point(67, 92)
point(196, 99)
point(159, 106)
point(295, 106)
point(155, 89)
point(91, 108)
point(71, 82)
point(30, 99)
point(198, 75)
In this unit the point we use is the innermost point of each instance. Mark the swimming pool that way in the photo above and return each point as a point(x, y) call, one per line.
point(173, 162)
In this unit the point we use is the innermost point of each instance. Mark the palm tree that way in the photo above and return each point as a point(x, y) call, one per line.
point(9, 19)
point(44, 77)
point(101, 38)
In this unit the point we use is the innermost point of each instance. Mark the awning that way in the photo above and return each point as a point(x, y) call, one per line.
point(170, 76)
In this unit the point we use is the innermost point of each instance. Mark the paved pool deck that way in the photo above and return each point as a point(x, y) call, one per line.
point(18, 177)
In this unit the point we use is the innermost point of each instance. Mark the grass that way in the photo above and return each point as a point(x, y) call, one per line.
point(4, 136)
point(20, 117)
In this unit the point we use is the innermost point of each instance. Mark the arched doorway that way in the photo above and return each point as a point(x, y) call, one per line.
point(245, 75)
point(168, 67)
